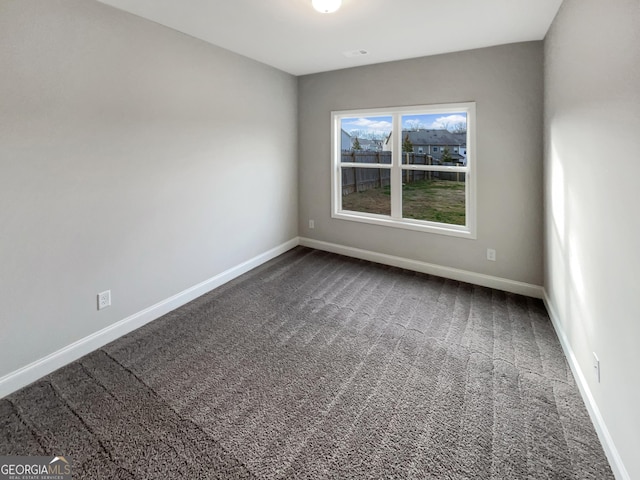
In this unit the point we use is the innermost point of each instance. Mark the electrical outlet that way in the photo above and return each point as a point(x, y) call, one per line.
point(491, 254)
point(596, 367)
point(104, 299)
point(312, 224)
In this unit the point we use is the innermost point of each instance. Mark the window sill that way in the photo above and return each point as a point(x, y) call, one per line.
point(407, 224)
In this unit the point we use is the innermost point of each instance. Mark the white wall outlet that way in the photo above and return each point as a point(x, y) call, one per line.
point(312, 224)
point(491, 254)
point(104, 299)
point(596, 367)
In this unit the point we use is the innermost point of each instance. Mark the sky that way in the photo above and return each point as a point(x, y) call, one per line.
point(433, 121)
point(382, 125)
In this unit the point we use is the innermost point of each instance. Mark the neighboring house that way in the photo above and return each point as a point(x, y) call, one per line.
point(365, 144)
point(432, 142)
point(345, 140)
point(461, 148)
point(370, 145)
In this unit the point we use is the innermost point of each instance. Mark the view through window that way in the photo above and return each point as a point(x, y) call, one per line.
point(408, 167)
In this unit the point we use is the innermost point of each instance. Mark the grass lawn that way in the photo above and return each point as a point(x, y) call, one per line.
point(433, 200)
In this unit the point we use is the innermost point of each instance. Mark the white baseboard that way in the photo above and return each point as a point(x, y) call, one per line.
point(430, 268)
point(610, 450)
point(44, 366)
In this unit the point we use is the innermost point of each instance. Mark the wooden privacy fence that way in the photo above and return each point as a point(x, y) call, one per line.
point(356, 179)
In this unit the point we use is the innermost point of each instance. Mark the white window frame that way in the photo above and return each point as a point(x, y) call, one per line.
point(395, 220)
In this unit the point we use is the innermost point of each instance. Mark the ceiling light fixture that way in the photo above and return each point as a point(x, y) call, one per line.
point(326, 6)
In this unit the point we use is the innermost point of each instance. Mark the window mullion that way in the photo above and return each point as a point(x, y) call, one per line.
point(396, 169)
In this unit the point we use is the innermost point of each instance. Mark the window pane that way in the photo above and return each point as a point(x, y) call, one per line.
point(365, 134)
point(434, 196)
point(441, 138)
point(366, 190)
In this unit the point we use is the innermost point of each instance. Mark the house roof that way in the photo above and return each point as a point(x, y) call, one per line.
point(462, 138)
point(435, 137)
point(432, 137)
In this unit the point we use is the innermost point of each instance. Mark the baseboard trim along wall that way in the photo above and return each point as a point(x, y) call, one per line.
point(38, 369)
point(430, 268)
point(610, 450)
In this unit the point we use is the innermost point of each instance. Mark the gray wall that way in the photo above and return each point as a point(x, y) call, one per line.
point(506, 82)
point(132, 158)
point(592, 107)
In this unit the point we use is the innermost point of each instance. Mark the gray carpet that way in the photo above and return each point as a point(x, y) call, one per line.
point(322, 367)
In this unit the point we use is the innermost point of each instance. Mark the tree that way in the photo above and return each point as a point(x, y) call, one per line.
point(407, 146)
point(446, 156)
point(459, 128)
point(368, 134)
point(356, 144)
point(413, 125)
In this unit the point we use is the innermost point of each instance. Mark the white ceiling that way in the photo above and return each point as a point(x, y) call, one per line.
point(291, 36)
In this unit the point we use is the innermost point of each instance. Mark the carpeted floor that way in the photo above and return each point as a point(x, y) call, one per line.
point(322, 367)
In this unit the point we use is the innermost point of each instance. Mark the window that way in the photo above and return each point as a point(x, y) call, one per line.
point(397, 186)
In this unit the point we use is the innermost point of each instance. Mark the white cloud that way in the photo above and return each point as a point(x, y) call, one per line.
point(371, 125)
point(449, 121)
